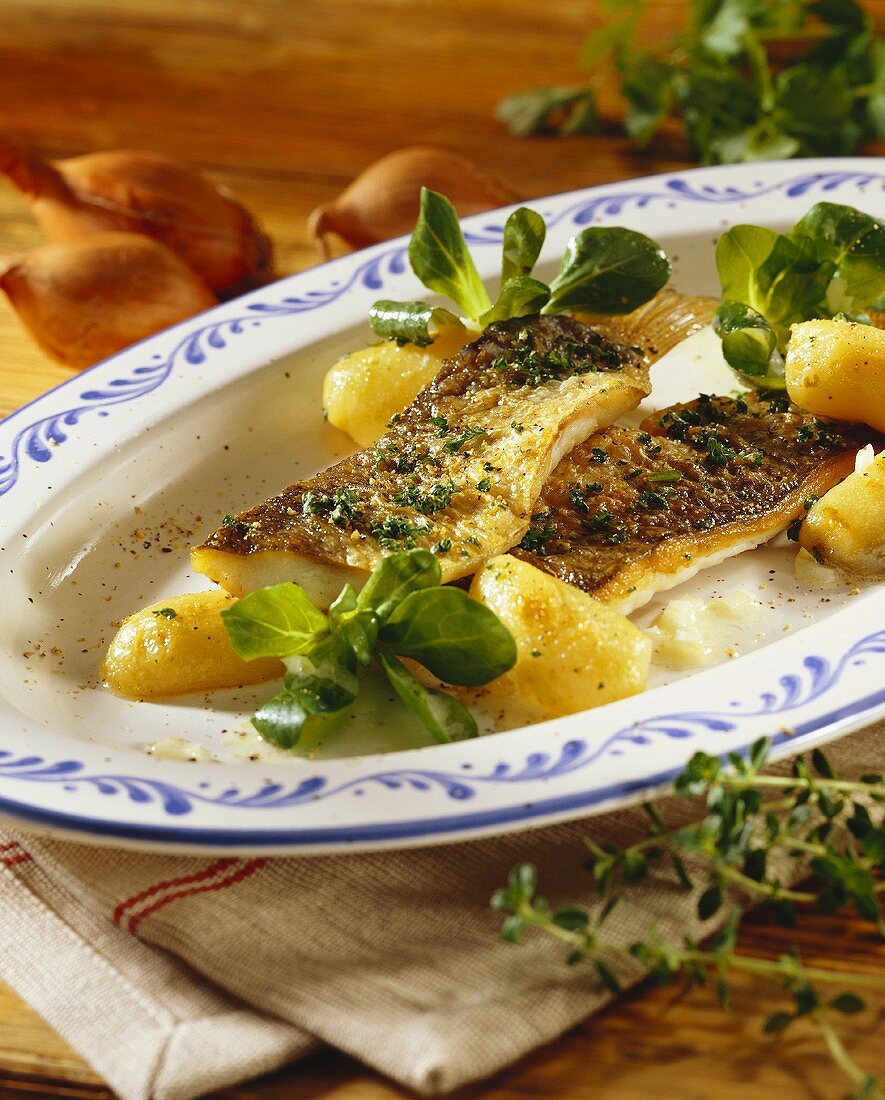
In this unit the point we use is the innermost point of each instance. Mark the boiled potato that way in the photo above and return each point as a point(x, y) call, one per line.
point(180, 645)
point(845, 529)
point(365, 389)
point(837, 368)
point(573, 651)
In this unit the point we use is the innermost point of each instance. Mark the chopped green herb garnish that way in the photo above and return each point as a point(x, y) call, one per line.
point(678, 421)
point(464, 437)
point(536, 539)
point(484, 485)
point(338, 506)
point(751, 456)
point(226, 521)
point(718, 451)
point(654, 499)
point(578, 494)
point(665, 477)
point(827, 436)
point(818, 434)
point(435, 499)
point(396, 533)
point(166, 612)
point(608, 525)
point(314, 503)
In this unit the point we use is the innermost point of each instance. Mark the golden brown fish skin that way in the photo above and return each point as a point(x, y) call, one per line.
point(658, 326)
point(460, 471)
point(634, 510)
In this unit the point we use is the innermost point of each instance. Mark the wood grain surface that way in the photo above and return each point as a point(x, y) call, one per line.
point(285, 101)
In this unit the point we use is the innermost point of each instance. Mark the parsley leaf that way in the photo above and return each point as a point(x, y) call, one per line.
point(722, 75)
point(549, 110)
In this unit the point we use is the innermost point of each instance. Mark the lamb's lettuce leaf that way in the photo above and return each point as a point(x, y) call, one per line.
point(831, 263)
point(402, 610)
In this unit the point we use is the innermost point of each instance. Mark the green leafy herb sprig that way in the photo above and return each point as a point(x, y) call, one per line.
point(402, 611)
point(831, 263)
point(608, 270)
point(720, 77)
point(752, 822)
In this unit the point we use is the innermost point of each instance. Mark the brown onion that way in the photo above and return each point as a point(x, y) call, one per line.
point(87, 300)
point(382, 202)
point(137, 192)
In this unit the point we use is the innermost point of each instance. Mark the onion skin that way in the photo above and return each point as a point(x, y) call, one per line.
point(382, 202)
point(85, 301)
point(139, 192)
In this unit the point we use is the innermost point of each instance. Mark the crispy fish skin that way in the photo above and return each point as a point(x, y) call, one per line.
point(658, 326)
point(634, 511)
point(459, 473)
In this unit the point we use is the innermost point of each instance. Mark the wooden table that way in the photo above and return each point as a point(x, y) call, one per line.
point(285, 101)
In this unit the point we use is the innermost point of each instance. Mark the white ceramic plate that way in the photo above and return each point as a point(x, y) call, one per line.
point(109, 478)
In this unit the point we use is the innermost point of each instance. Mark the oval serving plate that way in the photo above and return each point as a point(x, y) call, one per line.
point(106, 481)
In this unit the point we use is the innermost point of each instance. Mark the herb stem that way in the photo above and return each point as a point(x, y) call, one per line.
point(791, 782)
point(754, 887)
point(727, 853)
point(798, 845)
point(769, 968)
point(843, 1059)
point(772, 969)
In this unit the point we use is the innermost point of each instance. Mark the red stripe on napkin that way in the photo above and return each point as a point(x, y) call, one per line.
point(185, 880)
point(239, 875)
point(14, 854)
point(11, 861)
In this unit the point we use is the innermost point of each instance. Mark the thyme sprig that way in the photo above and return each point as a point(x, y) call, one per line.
point(755, 827)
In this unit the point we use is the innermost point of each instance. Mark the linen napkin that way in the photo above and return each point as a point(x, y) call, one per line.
point(175, 976)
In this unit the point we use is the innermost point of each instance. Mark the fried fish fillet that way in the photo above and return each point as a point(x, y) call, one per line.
point(461, 470)
point(634, 511)
point(458, 474)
